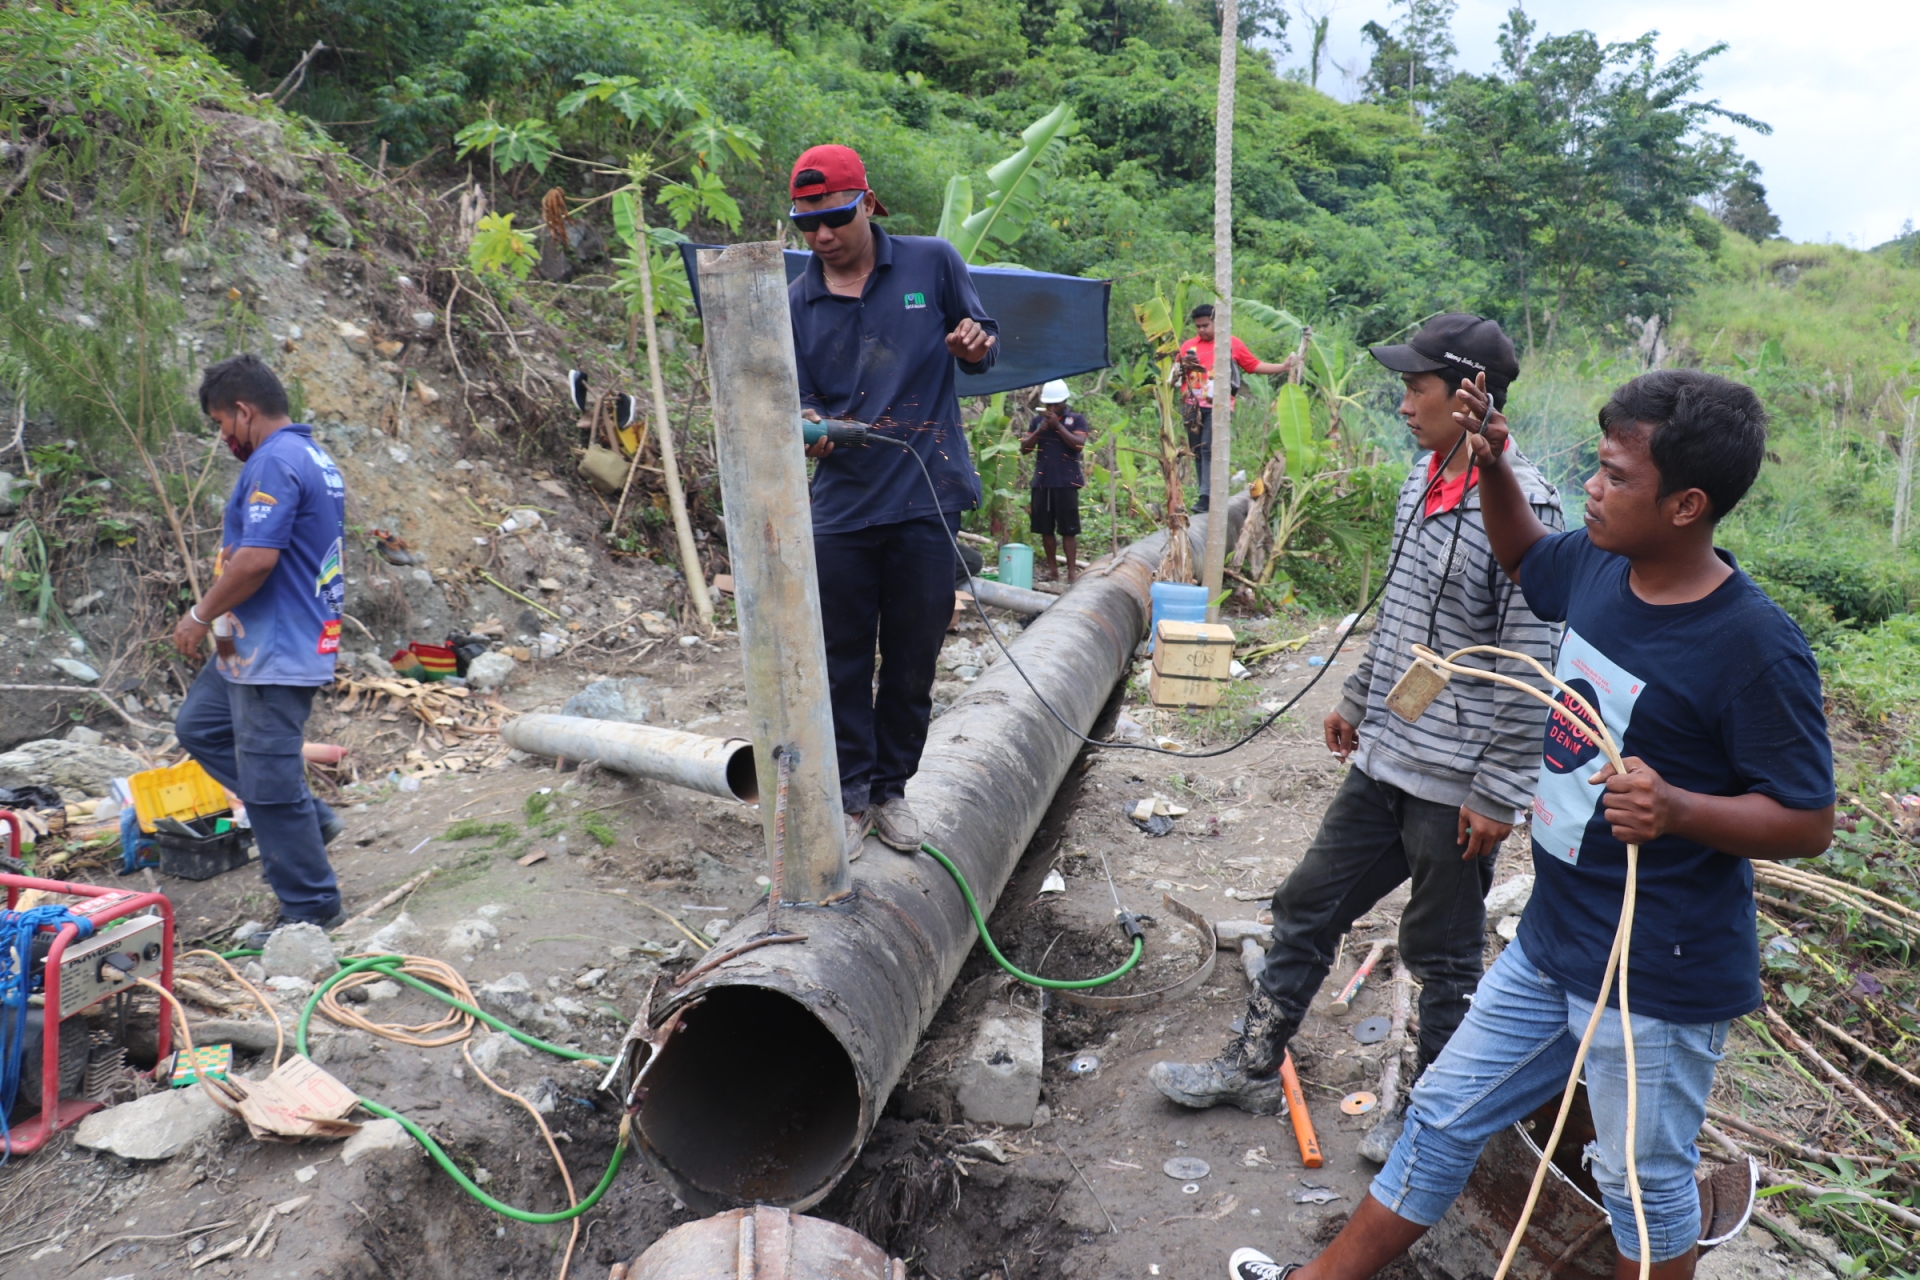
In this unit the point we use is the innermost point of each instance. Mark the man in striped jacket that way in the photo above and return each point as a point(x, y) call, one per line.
point(1429, 801)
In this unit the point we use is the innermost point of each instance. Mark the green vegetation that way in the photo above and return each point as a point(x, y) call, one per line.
point(597, 829)
point(500, 833)
point(536, 806)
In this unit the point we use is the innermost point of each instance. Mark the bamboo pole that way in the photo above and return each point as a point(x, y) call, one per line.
point(1903, 492)
point(669, 468)
point(1214, 557)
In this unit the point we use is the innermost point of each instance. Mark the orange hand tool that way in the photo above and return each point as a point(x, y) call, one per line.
point(1297, 1111)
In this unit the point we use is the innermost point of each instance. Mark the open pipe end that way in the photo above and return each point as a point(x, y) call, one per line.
point(742, 778)
point(752, 1100)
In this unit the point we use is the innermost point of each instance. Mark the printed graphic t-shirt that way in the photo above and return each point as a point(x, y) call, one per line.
point(290, 497)
point(1721, 697)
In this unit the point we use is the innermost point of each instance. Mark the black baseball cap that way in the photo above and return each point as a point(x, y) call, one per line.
point(1458, 345)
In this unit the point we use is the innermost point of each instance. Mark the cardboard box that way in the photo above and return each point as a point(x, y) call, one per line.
point(1192, 662)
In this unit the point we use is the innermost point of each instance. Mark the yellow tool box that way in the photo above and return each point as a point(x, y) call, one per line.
point(1192, 662)
point(184, 792)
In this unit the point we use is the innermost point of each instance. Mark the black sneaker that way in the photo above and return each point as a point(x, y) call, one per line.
point(257, 941)
point(332, 829)
point(1251, 1264)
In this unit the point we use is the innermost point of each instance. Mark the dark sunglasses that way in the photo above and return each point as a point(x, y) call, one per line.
point(827, 217)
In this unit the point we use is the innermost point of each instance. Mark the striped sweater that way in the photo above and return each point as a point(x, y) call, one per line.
point(1479, 743)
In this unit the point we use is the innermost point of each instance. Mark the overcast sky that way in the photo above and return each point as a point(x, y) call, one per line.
point(1839, 82)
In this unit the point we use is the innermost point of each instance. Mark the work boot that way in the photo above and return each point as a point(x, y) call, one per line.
point(1245, 1075)
point(896, 825)
point(858, 824)
point(1251, 1264)
point(332, 829)
point(1200, 505)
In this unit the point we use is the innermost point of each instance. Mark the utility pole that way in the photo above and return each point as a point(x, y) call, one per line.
point(1214, 556)
point(763, 484)
point(1903, 491)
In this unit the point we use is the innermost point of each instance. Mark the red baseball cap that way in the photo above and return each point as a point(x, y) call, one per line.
point(840, 169)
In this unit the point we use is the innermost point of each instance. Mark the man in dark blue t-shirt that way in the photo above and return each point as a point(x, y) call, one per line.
point(274, 611)
point(1055, 440)
point(1713, 697)
point(879, 322)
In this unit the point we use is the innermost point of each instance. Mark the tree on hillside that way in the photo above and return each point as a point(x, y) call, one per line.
point(1742, 206)
point(1580, 164)
point(1412, 61)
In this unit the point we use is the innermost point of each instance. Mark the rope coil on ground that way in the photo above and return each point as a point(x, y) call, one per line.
point(1590, 726)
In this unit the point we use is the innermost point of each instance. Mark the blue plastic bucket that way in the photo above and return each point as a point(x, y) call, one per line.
point(1178, 601)
point(1016, 565)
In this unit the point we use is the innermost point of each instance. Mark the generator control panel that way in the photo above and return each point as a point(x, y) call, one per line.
point(107, 963)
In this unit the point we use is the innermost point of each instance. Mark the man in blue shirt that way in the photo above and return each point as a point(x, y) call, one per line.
point(879, 322)
point(1714, 699)
point(274, 610)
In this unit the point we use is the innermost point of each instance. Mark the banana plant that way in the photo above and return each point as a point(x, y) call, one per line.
point(1334, 367)
point(1019, 184)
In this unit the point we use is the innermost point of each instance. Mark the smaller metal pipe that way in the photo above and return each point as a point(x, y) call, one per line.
point(718, 766)
point(998, 595)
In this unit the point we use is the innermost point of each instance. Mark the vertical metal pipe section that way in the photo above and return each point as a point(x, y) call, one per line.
point(784, 1056)
point(776, 591)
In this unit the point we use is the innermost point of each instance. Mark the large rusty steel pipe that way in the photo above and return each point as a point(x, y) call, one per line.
point(718, 766)
point(784, 1055)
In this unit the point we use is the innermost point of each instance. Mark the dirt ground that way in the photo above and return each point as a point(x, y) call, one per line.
point(1084, 1194)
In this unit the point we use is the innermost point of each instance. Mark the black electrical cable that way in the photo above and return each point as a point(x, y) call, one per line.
point(1393, 561)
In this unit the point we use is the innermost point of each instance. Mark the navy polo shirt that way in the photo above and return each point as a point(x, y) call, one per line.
point(882, 359)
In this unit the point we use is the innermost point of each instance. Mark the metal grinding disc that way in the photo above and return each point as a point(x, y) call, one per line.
point(1186, 1168)
point(1372, 1030)
point(1085, 1065)
point(1358, 1104)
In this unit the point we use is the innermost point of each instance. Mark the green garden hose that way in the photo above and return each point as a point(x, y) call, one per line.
point(389, 967)
point(1128, 922)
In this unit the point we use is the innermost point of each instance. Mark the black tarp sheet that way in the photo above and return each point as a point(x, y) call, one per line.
point(1051, 326)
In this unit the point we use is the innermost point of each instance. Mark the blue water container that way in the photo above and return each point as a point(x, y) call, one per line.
point(1016, 565)
point(1178, 601)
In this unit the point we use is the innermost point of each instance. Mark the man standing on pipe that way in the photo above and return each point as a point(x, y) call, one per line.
point(879, 321)
point(274, 610)
point(1429, 801)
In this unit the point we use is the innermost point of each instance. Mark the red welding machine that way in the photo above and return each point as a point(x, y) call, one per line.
point(132, 939)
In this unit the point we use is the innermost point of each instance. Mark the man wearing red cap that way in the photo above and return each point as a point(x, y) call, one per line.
point(879, 321)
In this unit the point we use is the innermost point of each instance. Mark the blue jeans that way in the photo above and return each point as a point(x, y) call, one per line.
point(1512, 1054)
point(248, 737)
point(890, 583)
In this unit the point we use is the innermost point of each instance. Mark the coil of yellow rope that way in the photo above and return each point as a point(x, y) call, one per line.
point(1590, 726)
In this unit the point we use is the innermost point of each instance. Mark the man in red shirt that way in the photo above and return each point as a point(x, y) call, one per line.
point(1194, 369)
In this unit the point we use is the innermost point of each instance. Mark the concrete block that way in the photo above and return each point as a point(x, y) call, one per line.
point(299, 951)
point(1509, 897)
point(998, 1082)
point(155, 1127)
point(376, 1136)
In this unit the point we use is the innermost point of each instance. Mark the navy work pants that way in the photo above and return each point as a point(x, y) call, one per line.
point(890, 583)
point(248, 737)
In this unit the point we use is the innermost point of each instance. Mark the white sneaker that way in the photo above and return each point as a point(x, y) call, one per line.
point(1251, 1264)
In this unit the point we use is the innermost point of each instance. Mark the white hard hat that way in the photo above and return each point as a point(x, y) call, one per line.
point(1055, 392)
